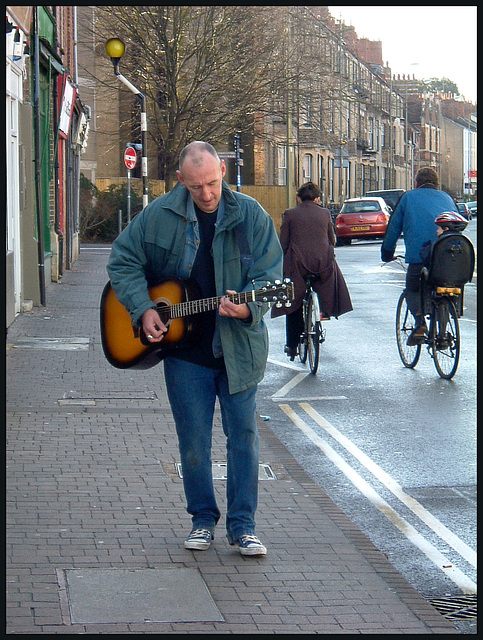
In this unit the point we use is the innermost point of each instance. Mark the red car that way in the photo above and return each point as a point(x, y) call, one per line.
point(362, 218)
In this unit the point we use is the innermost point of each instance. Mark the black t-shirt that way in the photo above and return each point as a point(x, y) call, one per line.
point(203, 273)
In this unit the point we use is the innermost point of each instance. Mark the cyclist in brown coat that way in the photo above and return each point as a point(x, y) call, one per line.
point(308, 239)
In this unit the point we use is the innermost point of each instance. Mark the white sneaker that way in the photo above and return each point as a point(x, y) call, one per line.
point(250, 545)
point(199, 539)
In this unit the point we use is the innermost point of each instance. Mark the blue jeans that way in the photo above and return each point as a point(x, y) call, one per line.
point(192, 393)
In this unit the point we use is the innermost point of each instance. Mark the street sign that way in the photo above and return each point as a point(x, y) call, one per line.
point(130, 158)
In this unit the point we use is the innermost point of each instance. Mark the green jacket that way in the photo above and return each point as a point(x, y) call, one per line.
point(160, 242)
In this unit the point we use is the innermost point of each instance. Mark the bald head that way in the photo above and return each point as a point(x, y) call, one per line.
point(202, 173)
point(195, 153)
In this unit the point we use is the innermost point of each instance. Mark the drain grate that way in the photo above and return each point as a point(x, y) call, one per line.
point(456, 607)
point(64, 344)
point(219, 471)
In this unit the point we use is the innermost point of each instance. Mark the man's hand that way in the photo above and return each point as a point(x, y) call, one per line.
point(152, 326)
point(387, 256)
point(230, 310)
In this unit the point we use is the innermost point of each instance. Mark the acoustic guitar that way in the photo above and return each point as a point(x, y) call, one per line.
point(178, 304)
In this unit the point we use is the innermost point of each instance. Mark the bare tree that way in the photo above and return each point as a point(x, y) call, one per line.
point(210, 71)
point(206, 71)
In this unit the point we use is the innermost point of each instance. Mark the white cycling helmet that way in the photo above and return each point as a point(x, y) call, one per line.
point(452, 221)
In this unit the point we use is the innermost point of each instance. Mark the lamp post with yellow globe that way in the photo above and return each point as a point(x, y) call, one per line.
point(115, 48)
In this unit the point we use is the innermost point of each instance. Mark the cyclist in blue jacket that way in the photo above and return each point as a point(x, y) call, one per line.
point(414, 217)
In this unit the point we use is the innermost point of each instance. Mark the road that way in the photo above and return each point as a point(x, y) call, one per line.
point(395, 448)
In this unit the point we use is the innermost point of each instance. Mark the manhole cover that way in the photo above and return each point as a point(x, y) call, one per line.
point(456, 607)
point(139, 595)
point(219, 471)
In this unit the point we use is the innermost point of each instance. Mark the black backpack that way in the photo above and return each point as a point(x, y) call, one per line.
point(452, 261)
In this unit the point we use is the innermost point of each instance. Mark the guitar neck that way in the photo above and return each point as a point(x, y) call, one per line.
point(191, 307)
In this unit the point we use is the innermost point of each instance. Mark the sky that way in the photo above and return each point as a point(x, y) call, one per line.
point(429, 41)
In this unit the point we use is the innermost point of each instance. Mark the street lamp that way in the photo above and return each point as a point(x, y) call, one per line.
point(115, 50)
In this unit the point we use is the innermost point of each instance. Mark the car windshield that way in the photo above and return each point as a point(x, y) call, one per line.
point(360, 207)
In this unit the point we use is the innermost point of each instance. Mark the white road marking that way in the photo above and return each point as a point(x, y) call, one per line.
point(423, 514)
point(308, 399)
point(443, 563)
point(291, 384)
point(281, 394)
point(287, 365)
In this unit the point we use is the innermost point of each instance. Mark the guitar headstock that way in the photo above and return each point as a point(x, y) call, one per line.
point(278, 292)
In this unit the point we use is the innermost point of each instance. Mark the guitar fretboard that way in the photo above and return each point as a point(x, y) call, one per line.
point(191, 307)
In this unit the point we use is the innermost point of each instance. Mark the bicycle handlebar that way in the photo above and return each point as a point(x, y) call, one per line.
point(398, 259)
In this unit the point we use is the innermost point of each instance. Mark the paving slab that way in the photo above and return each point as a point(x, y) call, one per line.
point(139, 595)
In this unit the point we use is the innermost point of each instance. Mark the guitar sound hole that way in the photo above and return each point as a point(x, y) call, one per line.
point(164, 310)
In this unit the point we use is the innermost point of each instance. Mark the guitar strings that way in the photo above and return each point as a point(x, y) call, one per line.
point(190, 307)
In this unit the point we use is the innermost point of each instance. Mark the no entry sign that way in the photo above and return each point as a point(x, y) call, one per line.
point(130, 158)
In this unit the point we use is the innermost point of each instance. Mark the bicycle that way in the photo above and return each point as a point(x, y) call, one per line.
point(442, 306)
point(313, 334)
point(443, 337)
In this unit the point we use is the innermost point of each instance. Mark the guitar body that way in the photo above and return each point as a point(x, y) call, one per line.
point(126, 347)
point(178, 302)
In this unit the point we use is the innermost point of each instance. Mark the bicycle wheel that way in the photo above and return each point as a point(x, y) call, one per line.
point(314, 332)
point(445, 347)
point(404, 327)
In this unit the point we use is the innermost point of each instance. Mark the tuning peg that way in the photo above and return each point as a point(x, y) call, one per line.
point(287, 280)
point(288, 304)
point(277, 282)
point(278, 304)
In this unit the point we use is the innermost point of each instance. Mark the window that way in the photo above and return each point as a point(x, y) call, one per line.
point(320, 168)
point(331, 115)
point(361, 207)
point(385, 184)
point(306, 91)
point(383, 136)
point(307, 168)
point(282, 165)
point(330, 170)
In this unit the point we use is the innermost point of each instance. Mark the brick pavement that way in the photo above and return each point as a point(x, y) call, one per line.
point(92, 483)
